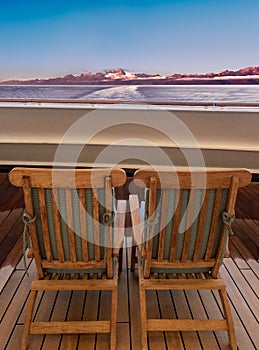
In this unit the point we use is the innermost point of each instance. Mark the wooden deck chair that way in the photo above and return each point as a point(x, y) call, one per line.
point(73, 231)
point(182, 240)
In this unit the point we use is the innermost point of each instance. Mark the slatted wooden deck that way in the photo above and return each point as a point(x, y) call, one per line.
point(240, 273)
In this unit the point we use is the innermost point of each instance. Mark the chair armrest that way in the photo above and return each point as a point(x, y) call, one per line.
point(137, 226)
point(119, 226)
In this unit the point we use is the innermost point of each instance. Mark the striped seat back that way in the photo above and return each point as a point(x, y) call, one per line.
point(183, 230)
point(83, 222)
point(73, 210)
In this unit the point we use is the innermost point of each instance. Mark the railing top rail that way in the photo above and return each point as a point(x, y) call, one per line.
point(121, 102)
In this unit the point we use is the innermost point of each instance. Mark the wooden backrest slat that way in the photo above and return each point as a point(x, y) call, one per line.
point(214, 223)
point(151, 217)
point(202, 217)
point(161, 242)
point(83, 225)
point(96, 225)
point(70, 231)
point(56, 218)
point(233, 194)
point(108, 233)
point(44, 223)
point(189, 218)
point(33, 229)
point(175, 225)
point(230, 210)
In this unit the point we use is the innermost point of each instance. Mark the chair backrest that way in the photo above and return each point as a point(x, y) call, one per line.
point(73, 211)
point(187, 218)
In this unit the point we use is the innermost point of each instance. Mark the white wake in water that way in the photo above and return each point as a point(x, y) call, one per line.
point(164, 93)
point(122, 93)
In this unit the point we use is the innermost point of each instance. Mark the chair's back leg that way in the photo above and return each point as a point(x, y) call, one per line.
point(228, 315)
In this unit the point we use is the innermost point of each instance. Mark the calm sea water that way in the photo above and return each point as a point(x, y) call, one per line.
point(184, 93)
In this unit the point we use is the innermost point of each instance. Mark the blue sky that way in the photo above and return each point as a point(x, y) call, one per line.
point(46, 38)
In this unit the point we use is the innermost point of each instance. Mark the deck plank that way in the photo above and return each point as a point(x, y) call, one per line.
point(59, 313)
point(155, 339)
point(43, 308)
point(243, 318)
point(9, 265)
point(247, 209)
point(247, 235)
point(245, 253)
point(245, 290)
point(190, 339)
point(103, 340)
point(252, 280)
point(13, 227)
point(173, 339)
point(207, 339)
point(237, 257)
point(213, 311)
point(9, 291)
point(74, 314)
point(134, 310)
point(123, 338)
point(15, 341)
point(123, 309)
point(90, 312)
point(9, 320)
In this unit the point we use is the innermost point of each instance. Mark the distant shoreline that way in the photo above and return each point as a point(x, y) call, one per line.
point(119, 76)
point(138, 83)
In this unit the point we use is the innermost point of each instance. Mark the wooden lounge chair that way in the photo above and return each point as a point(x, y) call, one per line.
point(182, 240)
point(75, 239)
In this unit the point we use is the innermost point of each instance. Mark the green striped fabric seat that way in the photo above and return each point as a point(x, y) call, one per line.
point(76, 223)
point(170, 208)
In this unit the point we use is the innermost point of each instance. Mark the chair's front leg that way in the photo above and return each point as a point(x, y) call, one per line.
point(143, 318)
point(113, 319)
point(28, 319)
point(228, 315)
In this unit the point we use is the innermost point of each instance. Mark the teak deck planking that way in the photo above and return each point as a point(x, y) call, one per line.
point(240, 272)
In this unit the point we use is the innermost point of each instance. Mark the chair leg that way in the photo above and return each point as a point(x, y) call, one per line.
point(28, 319)
point(143, 318)
point(133, 258)
point(228, 315)
point(120, 259)
point(113, 320)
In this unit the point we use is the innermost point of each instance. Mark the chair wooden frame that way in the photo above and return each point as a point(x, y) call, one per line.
point(185, 273)
point(87, 268)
